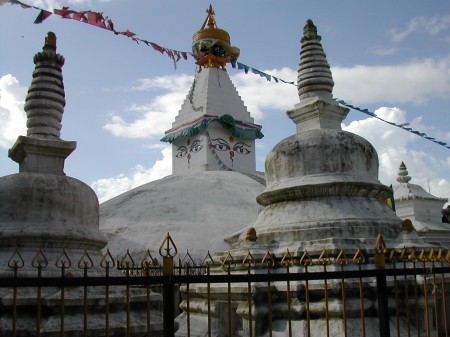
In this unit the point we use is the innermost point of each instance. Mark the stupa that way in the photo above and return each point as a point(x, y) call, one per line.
point(41, 207)
point(49, 225)
point(422, 208)
point(214, 183)
point(322, 196)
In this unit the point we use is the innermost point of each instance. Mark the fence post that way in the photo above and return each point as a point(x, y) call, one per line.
point(168, 250)
point(168, 297)
point(383, 307)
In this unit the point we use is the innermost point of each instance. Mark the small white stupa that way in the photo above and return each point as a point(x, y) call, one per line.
point(212, 191)
point(41, 207)
point(322, 182)
point(422, 208)
point(49, 225)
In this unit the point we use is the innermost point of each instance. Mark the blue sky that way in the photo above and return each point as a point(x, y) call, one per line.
point(392, 58)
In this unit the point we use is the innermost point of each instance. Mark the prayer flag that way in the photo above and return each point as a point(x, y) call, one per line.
point(42, 16)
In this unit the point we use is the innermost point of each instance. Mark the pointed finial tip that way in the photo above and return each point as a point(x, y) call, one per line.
point(50, 40)
point(310, 32)
point(403, 176)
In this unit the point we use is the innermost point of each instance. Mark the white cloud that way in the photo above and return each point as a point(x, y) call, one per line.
point(430, 25)
point(416, 82)
point(394, 146)
point(108, 188)
point(12, 115)
point(259, 94)
point(157, 116)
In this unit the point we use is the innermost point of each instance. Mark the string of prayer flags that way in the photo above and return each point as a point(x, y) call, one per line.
point(401, 126)
point(98, 20)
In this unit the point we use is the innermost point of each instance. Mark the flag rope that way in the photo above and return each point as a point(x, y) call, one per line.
point(97, 19)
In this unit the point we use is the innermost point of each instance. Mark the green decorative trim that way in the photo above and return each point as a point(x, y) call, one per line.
point(227, 121)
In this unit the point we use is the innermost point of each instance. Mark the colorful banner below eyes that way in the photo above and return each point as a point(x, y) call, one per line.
point(98, 20)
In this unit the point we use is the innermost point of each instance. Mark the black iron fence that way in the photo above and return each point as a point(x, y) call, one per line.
point(405, 290)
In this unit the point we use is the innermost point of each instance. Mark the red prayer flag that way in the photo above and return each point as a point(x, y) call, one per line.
point(156, 47)
point(42, 16)
point(64, 12)
point(79, 16)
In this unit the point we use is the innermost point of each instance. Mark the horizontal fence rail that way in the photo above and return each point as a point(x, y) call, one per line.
point(128, 298)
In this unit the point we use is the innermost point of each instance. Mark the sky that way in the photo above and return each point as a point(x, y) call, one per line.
point(392, 58)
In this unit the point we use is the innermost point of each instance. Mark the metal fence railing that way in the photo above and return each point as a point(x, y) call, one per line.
point(404, 290)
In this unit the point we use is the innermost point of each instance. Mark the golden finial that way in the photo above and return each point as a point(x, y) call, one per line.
point(211, 45)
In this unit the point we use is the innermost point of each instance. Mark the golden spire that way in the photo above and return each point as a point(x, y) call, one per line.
point(211, 45)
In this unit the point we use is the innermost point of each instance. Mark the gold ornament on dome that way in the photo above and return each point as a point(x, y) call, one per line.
point(211, 45)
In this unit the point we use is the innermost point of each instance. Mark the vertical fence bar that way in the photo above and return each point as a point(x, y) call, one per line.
point(306, 261)
point(288, 261)
point(15, 262)
point(404, 258)
point(413, 258)
point(432, 258)
point(85, 263)
point(324, 260)
point(360, 259)
point(188, 304)
point(106, 263)
point(14, 313)
point(250, 262)
point(39, 262)
point(208, 272)
point(228, 264)
point(268, 261)
point(383, 307)
point(423, 258)
point(168, 298)
point(342, 260)
point(168, 288)
point(444, 300)
point(393, 259)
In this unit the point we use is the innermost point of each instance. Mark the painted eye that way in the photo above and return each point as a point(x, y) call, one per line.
point(241, 148)
point(196, 146)
point(181, 152)
point(220, 145)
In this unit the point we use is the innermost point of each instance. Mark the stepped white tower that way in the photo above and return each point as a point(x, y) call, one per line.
point(211, 194)
point(213, 130)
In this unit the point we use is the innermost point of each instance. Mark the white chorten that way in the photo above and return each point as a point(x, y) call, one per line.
point(212, 191)
point(49, 224)
point(322, 182)
point(41, 207)
point(422, 208)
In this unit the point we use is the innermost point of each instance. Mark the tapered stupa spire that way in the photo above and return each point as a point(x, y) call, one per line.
point(403, 176)
point(43, 151)
point(45, 101)
point(314, 75)
point(316, 109)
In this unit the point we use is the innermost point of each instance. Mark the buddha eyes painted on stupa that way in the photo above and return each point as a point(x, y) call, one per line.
point(196, 146)
point(186, 151)
point(181, 152)
point(220, 144)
